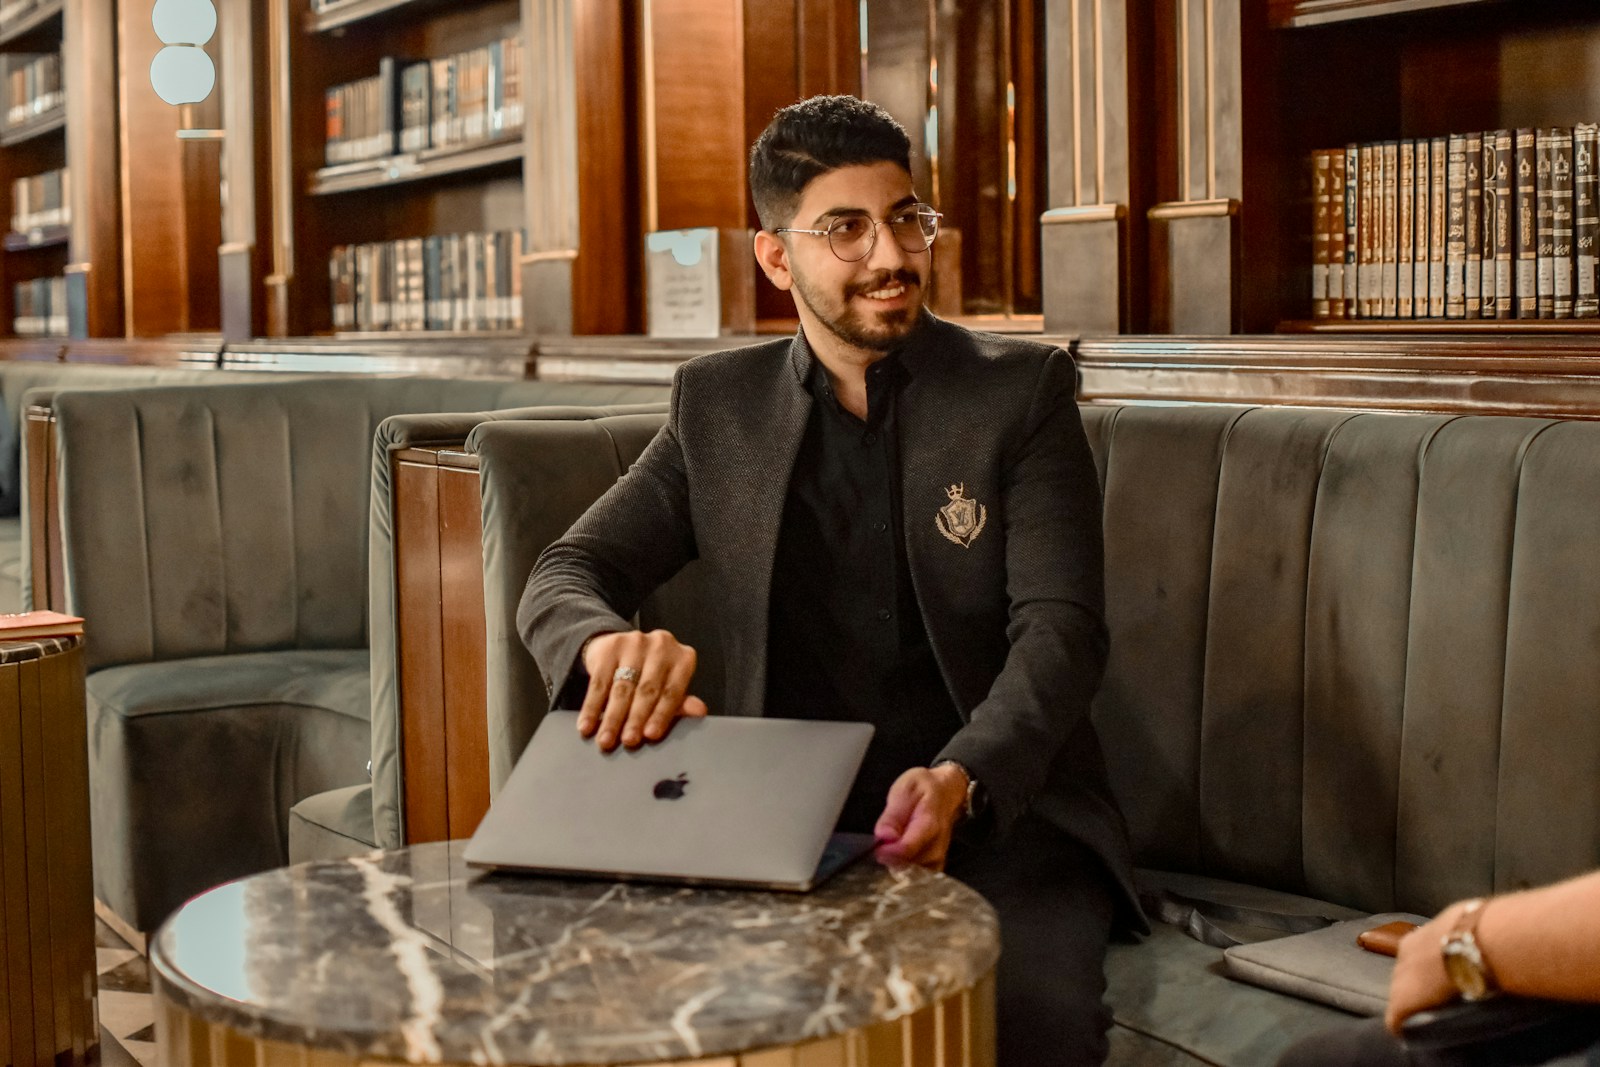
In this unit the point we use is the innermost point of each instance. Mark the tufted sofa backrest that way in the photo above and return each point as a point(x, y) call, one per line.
point(207, 519)
point(1353, 655)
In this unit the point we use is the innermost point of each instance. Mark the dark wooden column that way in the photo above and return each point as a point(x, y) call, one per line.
point(1195, 228)
point(1089, 282)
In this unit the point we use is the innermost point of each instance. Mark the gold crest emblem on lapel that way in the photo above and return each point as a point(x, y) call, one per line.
point(962, 519)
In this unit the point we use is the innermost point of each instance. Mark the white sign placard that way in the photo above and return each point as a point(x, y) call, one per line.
point(683, 283)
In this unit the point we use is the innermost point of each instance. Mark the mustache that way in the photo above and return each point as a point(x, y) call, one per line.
point(884, 278)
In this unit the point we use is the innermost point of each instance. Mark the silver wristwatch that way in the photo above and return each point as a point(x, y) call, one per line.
point(977, 796)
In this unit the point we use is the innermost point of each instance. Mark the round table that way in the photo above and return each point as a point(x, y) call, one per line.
point(409, 956)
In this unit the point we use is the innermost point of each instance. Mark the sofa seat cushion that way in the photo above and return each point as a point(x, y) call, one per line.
point(195, 764)
point(1173, 1002)
point(333, 825)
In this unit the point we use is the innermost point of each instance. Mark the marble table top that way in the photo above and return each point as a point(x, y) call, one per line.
point(409, 955)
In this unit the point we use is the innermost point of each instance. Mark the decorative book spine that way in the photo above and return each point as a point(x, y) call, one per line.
point(1390, 167)
point(1474, 224)
point(1438, 152)
point(1525, 189)
point(1486, 290)
point(1505, 216)
point(1336, 232)
point(1405, 227)
point(1455, 253)
point(1586, 220)
point(1321, 232)
point(1352, 237)
point(1368, 264)
point(1544, 222)
point(1561, 218)
point(1419, 254)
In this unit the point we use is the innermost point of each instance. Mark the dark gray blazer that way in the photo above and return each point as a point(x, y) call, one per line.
point(1014, 614)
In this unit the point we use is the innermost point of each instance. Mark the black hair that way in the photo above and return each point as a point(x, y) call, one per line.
point(811, 138)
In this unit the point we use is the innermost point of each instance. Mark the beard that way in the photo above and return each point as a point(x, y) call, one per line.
point(876, 331)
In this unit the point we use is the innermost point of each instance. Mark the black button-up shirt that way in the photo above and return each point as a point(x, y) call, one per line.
point(846, 638)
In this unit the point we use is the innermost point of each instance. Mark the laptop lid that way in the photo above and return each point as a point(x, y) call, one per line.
point(723, 800)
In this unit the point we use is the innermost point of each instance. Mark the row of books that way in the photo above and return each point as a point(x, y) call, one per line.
point(434, 103)
point(1497, 225)
point(41, 200)
point(459, 281)
point(33, 85)
point(39, 307)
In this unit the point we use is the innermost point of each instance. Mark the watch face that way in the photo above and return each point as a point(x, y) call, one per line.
point(1464, 970)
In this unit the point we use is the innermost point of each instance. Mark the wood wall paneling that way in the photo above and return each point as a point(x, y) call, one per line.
point(90, 69)
point(1088, 282)
point(418, 615)
point(465, 641)
point(155, 266)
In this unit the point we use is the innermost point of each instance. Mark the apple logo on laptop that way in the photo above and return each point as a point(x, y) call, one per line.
point(672, 788)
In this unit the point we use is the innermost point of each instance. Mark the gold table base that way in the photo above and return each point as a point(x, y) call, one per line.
point(957, 1032)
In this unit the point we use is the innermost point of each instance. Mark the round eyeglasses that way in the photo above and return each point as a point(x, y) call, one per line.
point(852, 237)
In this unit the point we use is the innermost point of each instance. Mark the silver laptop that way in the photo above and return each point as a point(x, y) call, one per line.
point(722, 801)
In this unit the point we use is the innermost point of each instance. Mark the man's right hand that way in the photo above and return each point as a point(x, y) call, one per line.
point(638, 687)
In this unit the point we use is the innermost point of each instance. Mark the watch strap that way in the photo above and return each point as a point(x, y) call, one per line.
point(1462, 950)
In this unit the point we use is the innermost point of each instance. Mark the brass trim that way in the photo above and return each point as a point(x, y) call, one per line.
point(1076, 48)
point(1184, 147)
point(1211, 100)
point(919, 1039)
point(548, 255)
point(1059, 216)
point(1194, 209)
point(1099, 103)
point(78, 268)
point(652, 194)
point(282, 165)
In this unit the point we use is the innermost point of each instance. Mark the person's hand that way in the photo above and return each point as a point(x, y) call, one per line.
point(1420, 981)
point(638, 687)
point(921, 813)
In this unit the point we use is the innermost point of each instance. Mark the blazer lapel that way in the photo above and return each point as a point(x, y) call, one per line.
point(756, 489)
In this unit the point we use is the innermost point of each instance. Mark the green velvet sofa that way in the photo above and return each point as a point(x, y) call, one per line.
point(216, 540)
point(1353, 659)
point(23, 382)
point(356, 818)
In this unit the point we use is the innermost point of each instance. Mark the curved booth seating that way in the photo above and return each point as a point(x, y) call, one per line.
point(27, 381)
point(1352, 660)
point(215, 537)
point(356, 818)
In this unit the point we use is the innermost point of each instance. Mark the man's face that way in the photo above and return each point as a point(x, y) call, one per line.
point(874, 302)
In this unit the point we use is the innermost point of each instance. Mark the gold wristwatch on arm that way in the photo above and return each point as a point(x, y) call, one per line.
point(1464, 961)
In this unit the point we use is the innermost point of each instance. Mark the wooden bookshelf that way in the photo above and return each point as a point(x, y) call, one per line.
point(37, 237)
point(81, 135)
point(18, 31)
point(416, 166)
point(1292, 13)
point(336, 16)
point(46, 122)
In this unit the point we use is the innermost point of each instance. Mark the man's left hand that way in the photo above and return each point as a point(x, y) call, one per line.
point(922, 811)
point(1420, 980)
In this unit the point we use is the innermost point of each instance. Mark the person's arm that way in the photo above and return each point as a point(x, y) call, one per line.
point(575, 609)
point(1056, 587)
point(1538, 943)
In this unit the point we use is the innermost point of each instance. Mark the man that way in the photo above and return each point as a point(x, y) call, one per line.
point(903, 520)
